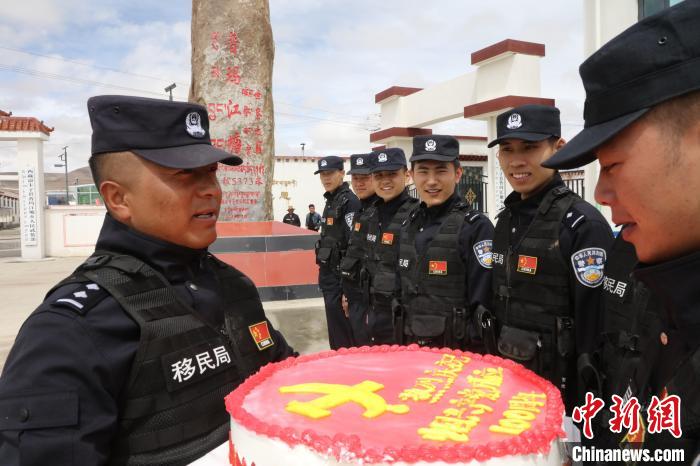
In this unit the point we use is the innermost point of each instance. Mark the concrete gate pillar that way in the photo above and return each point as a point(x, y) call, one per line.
point(30, 134)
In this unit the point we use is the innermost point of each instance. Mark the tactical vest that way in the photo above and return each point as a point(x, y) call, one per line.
point(434, 309)
point(171, 406)
point(631, 328)
point(353, 266)
point(531, 287)
point(383, 258)
point(331, 245)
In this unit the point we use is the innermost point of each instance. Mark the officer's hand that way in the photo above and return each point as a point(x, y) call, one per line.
point(344, 304)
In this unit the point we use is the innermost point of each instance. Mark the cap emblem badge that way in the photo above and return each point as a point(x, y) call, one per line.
point(193, 124)
point(515, 121)
point(430, 145)
point(360, 161)
point(323, 163)
point(381, 157)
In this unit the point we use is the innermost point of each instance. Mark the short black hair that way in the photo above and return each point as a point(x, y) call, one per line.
point(96, 163)
point(311, 205)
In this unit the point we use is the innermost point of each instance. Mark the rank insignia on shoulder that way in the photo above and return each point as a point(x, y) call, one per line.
point(588, 265)
point(484, 253)
point(261, 335)
point(388, 238)
point(329, 220)
point(82, 299)
point(437, 268)
point(527, 264)
point(358, 226)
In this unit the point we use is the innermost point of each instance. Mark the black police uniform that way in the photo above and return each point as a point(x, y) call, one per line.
point(630, 344)
point(353, 265)
point(444, 264)
point(338, 215)
point(382, 239)
point(128, 360)
point(292, 219)
point(549, 254)
point(646, 65)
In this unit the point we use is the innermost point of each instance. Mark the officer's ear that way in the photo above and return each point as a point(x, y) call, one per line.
point(561, 142)
point(118, 173)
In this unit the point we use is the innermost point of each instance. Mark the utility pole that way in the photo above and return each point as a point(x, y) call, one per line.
point(170, 90)
point(302, 148)
point(64, 158)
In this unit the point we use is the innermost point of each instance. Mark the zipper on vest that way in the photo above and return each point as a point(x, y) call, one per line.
point(509, 255)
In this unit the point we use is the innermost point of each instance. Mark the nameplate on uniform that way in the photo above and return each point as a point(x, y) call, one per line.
point(190, 365)
point(437, 268)
point(358, 226)
point(261, 335)
point(388, 238)
point(329, 221)
point(527, 264)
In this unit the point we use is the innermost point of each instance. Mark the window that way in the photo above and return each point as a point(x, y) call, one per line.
point(651, 7)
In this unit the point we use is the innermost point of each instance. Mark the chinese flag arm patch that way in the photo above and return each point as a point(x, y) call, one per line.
point(261, 335)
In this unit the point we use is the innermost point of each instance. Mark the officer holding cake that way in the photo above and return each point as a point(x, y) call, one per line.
point(444, 254)
point(336, 224)
point(549, 254)
point(642, 123)
point(353, 265)
point(128, 360)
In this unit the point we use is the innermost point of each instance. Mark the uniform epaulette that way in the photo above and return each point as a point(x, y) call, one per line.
point(574, 218)
point(472, 216)
point(81, 299)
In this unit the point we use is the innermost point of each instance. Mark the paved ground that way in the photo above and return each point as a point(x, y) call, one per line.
point(23, 285)
point(9, 243)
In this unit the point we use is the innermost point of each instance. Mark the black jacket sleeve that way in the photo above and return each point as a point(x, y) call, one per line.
point(60, 385)
point(585, 229)
point(475, 244)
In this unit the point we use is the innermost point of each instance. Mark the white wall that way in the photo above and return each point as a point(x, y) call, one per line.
point(72, 230)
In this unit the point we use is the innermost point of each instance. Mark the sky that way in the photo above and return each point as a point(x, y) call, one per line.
point(331, 58)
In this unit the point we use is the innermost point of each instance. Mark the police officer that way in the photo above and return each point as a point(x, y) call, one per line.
point(337, 220)
point(549, 254)
point(444, 253)
point(127, 360)
point(383, 225)
point(291, 218)
point(642, 123)
point(352, 266)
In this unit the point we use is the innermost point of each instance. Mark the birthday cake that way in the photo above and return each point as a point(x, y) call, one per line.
point(395, 405)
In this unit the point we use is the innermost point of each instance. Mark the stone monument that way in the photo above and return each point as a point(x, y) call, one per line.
point(232, 57)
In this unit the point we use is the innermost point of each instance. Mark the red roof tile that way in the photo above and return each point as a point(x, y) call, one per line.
point(12, 123)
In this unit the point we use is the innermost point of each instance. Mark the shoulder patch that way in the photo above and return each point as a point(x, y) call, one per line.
point(82, 299)
point(483, 250)
point(588, 265)
point(348, 218)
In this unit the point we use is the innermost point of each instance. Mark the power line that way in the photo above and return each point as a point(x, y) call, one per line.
point(42, 74)
point(68, 60)
point(106, 68)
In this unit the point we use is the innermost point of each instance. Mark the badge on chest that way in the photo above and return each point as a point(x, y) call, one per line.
point(261, 335)
point(527, 264)
point(437, 268)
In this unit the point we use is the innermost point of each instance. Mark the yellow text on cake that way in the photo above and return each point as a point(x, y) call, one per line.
point(523, 408)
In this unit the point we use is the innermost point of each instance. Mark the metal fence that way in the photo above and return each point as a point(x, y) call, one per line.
point(576, 185)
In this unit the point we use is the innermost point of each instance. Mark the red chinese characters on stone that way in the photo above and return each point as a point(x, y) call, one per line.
point(587, 412)
point(233, 43)
point(624, 415)
point(215, 40)
point(233, 75)
point(665, 415)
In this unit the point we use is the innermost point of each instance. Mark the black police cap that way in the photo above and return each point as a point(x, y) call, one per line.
point(361, 164)
point(332, 162)
point(653, 61)
point(168, 133)
point(392, 158)
point(528, 123)
point(435, 147)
